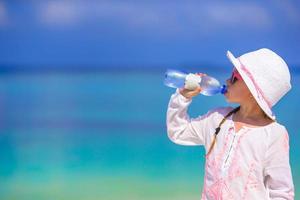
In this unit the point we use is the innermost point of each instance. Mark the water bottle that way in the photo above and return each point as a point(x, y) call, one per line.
point(178, 79)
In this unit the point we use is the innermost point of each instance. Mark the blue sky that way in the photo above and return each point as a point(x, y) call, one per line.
point(144, 33)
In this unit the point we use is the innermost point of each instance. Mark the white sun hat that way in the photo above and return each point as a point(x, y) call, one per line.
point(266, 74)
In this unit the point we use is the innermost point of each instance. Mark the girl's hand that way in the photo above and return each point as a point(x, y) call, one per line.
point(191, 93)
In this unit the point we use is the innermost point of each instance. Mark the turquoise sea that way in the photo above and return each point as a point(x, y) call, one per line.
point(102, 135)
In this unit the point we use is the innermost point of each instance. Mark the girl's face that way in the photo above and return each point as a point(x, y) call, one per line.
point(237, 90)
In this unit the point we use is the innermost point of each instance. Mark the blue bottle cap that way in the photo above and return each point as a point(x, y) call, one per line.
point(223, 89)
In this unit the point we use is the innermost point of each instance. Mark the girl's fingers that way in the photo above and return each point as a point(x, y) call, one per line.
point(194, 92)
point(190, 93)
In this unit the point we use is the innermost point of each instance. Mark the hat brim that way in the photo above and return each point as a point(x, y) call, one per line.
point(258, 97)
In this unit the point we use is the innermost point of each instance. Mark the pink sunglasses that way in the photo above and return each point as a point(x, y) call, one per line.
point(235, 76)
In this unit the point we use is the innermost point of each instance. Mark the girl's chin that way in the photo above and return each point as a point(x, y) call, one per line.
point(226, 94)
point(227, 97)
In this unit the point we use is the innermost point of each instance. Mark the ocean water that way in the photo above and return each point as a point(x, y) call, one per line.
point(102, 135)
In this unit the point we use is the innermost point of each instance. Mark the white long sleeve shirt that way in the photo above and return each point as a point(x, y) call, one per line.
point(252, 163)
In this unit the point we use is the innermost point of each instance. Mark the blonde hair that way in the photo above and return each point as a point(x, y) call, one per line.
point(219, 128)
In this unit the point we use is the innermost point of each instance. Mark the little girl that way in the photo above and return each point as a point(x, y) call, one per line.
point(247, 151)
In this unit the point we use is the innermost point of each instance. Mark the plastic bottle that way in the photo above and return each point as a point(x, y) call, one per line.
point(178, 79)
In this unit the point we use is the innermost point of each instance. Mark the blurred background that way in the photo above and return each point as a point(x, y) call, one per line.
point(82, 100)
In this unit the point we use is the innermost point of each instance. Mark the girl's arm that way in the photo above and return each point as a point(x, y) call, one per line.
point(277, 170)
point(181, 129)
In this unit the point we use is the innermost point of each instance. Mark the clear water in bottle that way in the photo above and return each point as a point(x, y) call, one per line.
point(178, 79)
point(175, 78)
point(211, 86)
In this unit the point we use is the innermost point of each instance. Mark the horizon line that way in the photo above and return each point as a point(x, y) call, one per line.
point(18, 69)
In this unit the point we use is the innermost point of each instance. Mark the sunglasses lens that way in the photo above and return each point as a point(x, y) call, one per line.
point(233, 78)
